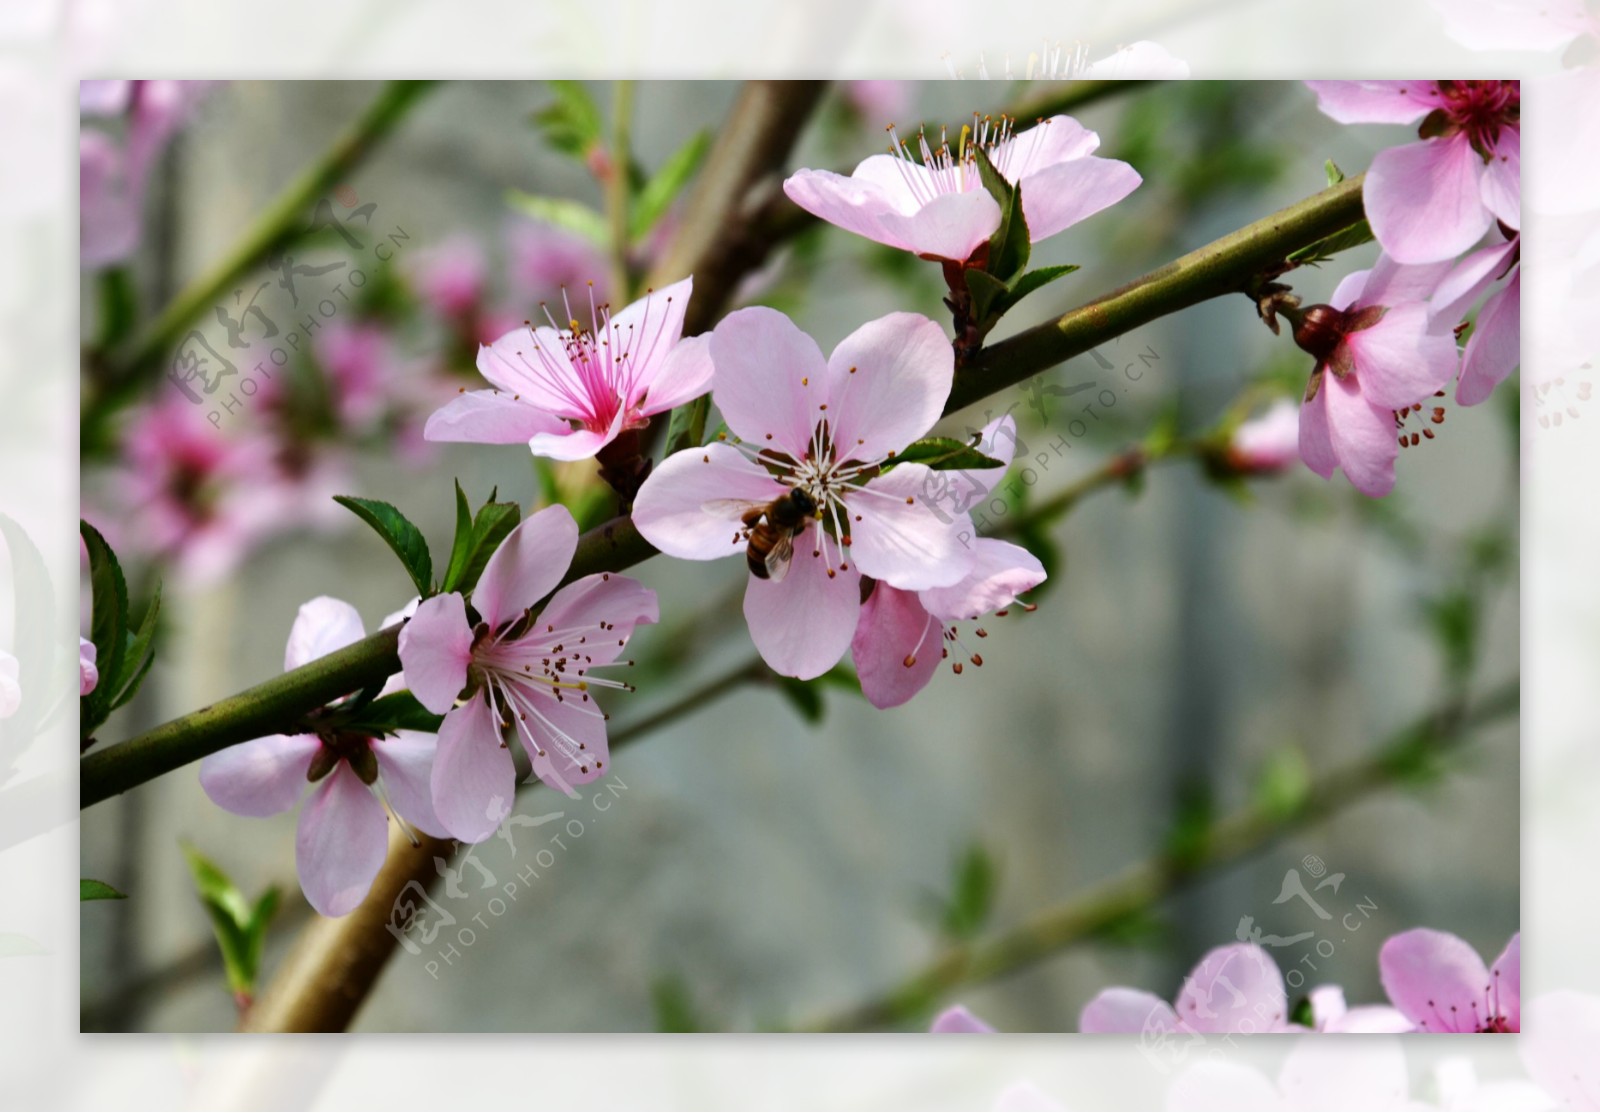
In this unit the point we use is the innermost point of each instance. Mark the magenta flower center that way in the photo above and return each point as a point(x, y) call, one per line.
point(1480, 110)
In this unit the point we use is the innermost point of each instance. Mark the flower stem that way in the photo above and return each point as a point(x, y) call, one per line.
point(1228, 840)
point(618, 188)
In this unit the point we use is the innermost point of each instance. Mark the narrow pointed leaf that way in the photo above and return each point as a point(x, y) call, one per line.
point(399, 533)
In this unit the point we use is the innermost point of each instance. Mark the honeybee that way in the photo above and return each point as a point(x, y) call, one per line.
point(771, 529)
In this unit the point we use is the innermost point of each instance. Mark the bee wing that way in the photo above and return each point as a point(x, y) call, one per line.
point(735, 509)
point(780, 556)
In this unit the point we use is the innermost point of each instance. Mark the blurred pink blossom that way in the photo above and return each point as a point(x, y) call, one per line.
point(545, 260)
point(451, 277)
point(1268, 442)
point(1234, 989)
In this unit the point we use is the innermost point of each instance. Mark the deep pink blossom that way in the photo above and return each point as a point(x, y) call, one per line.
point(1268, 442)
point(511, 669)
point(88, 673)
point(1380, 351)
point(1431, 200)
point(902, 635)
point(1441, 985)
point(826, 427)
point(359, 364)
point(342, 838)
point(936, 206)
point(1235, 989)
point(569, 392)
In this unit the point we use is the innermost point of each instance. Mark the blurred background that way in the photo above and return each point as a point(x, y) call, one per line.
point(763, 862)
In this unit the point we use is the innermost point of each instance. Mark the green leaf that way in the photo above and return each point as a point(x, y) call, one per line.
point(396, 711)
point(1284, 784)
point(140, 656)
point(987, 292)
point(107, 628)
point(943, 454)
point(972, 893)
point(805, 697)
point(1302, 1013)
point(560, 212)
point(97, 890)
point(687, 426)
point(119, 307)
point(398, 532)
point(1324, 249)
point(239, 925)
point(1009, 247)
point(1335, 175)
point(573, 123)
point(666, 183)
point(1034, 280)
point(477, 537)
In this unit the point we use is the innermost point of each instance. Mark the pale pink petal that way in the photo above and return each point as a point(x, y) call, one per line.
point(1435, 979)
point(435, 650)
point(568, 444)
point(88, 673)
point(262, 777)
point(489, 417)
point(1363, 437)
point(576, 614)
point(528, 564)
point(901, 185)
point(951, 226)
point(405, 768)
point(1372, 1019)
point(802, 625)
point(1269, 441)
point(1470, 278)
point(340, 843)
point(569, 741)
point(1558, 1047)
point(321, 626)
point(1345, 1074)
point(1048, 142)
point(1402, 360)
point(646, 331)
point(1119, 1010)
point(1000, 572)
point(474, 777)
point(1424, 200)
point(894, 628)
point(1505, 976)
point(1502, 179)
point(1316, 440)
point(1349, 289)
point(1376, 102)
point(690, 506)
point(1495, 347)
point(532, 366)
point(856, 204)
point(900, 535)
point(1499, 25)
point(959, 1019)
point(1060, 196)
point(888, 382)
point(1389, 283)
point(1235, 989)
point(685, 375)
point(770, 379)
point(1221, 1086)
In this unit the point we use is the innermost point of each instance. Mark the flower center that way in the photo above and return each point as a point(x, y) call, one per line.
point(1480, 110)
point(1409, 437)
point(956, 171)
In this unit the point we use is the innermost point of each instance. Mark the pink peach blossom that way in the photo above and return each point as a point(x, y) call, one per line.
point(957, 1018)
point(1431, 200)
point(569, 392)
point(508, 667)
point(1441, 985)
point(1234, 989)
point(88, 673)
point(342, 838)
point(1268, 442)
point(1379, 351)
point(900, 637)
point(450, 276)
point(1495, 347)
point(826, 427)
point(936, 206)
